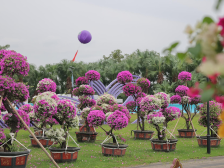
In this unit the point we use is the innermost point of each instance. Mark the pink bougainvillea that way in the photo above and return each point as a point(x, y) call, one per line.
point(117, 120)
point(96, 107)
point(92, 75)
point(149, 104)
point(124, 77)
point(175, 99)
point(2, 136)
point(86, 90)
point(14, 63)
point(21, 93)
point(165, 99)
point(131, 105)
point(131, 89)
point(121, 108)
point(4, 53)
point(184, 76)
point(26, 108)
point(7, 84)
point(171, 113)
point(76, 92)
point(46, 84)
point(181, 90)
point(96, 118)
point(87, 101)
point(195, 99)
point(81, 81)
point(143, 82)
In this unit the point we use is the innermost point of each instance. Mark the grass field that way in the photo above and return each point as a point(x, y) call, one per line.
point(139, 152)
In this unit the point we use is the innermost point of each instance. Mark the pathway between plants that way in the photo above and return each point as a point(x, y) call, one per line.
point(211, 162)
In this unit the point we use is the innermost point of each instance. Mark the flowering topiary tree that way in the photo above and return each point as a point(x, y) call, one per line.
point(45, 85)
point(184, 76)
point(144, 83)
point(215, 110)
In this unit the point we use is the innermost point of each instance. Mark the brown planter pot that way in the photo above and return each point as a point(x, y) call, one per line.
point(84, 129)
point(185, 133)
point(163, 146)
point(38, 132)
point(14, 159)
point(144, 135)
point(202, 141)
point(110, 149)
point(62, 155)
point(86, 136)
point(43, 140)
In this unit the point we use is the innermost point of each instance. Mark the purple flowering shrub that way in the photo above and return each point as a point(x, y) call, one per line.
point(81, 81)
point(7, 85)
point(106, 108)
point(131, 89)
point(215, 110)
point(51, 121)
point(143, 83)
point(184, 76)
point(171, 113)
point(2, 108)
point(131, 105)
point(181, 90)
point(156, 118)
point(14, 63)
point(120, 108)
point(165, 99)
point(149, 104)
point(92, 75)
point(4, 53)
point(96, 107)
point(20, 94)
point(86, 101)
point(86, 90)
point(175, 99)
point(26, 108)
point(117, 120)
point(13, 122)
point(2, 136)
point(195, 100)
point(106, 99)
point(124, 77)
point(46, 84)
point(96, 118)
point(76, 92)
point(85, 112)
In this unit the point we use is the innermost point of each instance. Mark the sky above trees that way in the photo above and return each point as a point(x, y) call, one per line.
point(46, 31)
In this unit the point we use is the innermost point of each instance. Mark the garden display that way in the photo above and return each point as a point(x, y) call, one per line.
point(187, 103)
point(215, 109)
point(159, 120)
point(85, 92)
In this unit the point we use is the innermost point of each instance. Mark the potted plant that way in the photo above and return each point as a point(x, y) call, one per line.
point(67, 118)
point(186, 102)
point(116, 121)
point(85, 93)
point(11, 64)
point(215, 110)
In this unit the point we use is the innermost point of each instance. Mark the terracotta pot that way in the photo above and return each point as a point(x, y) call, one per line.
point(163, 145)
point(84, 129)
point(43, 140)
point(110, 149)
point(14, 159)
point(185, 133)
point(144, 135)
point(62, 155)
point(86, 136)
point(202, 141)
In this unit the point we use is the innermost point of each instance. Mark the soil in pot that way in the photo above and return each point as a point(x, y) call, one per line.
point(62, 155)
point(202, 141)
point(185, 133)
point(86, 136)
point(163, 145)
point(43, 140)
point(111, 149)
point(14, 159)
point(144, 135)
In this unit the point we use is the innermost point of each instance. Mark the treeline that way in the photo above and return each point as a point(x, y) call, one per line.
point(162, 71)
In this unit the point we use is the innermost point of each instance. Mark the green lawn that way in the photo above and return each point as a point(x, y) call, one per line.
point(139, 152)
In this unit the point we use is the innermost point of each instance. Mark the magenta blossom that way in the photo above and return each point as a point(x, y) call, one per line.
point(26, 108)
point(124, 77)
point(2, 136)
point(117, 120)
point(131, 105)
point(96, 118)
point(131, 89)
point(143, 82)
point(92, 75)
point(181, 90)
point(184, 76)
point(46, 84)
point(175, 99)
point(81, 81)
point(121, 108)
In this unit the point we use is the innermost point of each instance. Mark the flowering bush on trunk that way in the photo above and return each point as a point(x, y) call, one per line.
point(131, 105)
point(185, 100)
point(195, 100)
point(86, 101)
point(156, 118)
point(165, 99)
point(20, 94)
point(86, 90)
point(131, 89)
point(124, 77)
point(106, 99)
point(2, 136)
point(117, 120)
point(171, 113)
point(92, 75)
point(96, 118)
point(76, 92)
point(4, 53)
point(144, 83)
point(26, 108)
point(106, 108)
point(7, 84)
point(85, 112)
point(120, 108)
point(181, 90)
point(45, 85)
point(184, 76)
point(81, 81)
point(150, 103)
point(215, 110)
point(56, 135)
point(175, 99)
point(96, 107)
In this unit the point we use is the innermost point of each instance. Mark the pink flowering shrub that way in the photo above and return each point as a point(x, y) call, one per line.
point(106, 99)
point(85, 112)
point(2, 136)
point(46, 84)
point(165, 99)
point(143, 82)
point(106, 108)
point(184, 76)
point(66, 111)
point(175, 99)
point(195, 100)
point(13, 122)
point(86, 101)
point(181, 90)
point(155, 118)
point(51, 121)
point(120, 108)
point(215, 110)
point(141, 94)
point(2, 108)
point(81, 81)
point(117, 120)
point(96, 107)
point(4, 53)
point(149, 104)
point(76, 92)
point(14, 63)
point(96, 118)
point(26, 108)
point(124, 77)
point(131, 105)
point(7, 84)
point(21, 93)
point(171, 113)
point(131, 89)
point(86, 90)
point(92, 75)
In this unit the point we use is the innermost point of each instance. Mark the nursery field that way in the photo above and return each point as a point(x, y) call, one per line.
point(139, 152)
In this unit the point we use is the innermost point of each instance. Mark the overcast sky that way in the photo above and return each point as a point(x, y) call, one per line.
point(46, 30)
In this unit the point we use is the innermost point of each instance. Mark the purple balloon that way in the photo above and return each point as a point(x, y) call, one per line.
point(84, 37)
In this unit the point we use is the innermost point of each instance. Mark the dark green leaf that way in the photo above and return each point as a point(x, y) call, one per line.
point(196, 50)
point(207, 20)
point(218, 4)
point(170, 49)
point(207, 95)
point(181, 56)
point(219, 47)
